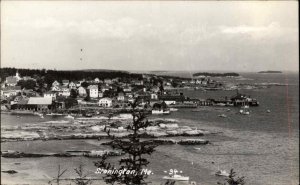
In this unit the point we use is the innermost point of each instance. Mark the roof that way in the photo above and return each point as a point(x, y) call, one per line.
point(65, 81)
point(11, 79)
point(92, 87)
point(39, 101)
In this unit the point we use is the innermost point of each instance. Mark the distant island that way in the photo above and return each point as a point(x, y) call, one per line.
point(215, 74)
point(270, 72)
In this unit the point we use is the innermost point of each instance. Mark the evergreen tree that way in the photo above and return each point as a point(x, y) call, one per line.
point(135, 151)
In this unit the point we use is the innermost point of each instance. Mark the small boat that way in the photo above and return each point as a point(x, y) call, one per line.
point(222, 115)
point(173, 109)
point(245, 107)
point(176, 177)
point(54, 114)
point(222, 173)
point(160, 112)
point(69, 117)
point(268, 111)
point(245, 112)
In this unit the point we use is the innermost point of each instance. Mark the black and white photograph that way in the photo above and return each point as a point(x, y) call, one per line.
point(149, 92)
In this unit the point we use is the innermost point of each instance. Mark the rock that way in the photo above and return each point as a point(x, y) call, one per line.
point(9, 171)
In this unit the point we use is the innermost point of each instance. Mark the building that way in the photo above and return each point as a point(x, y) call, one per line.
point(65, 82)
point(10, 91)
point(11, 81)
point(65, 92)
point(55, 83)
point(72, 85)
point(34, 104)
point(154, 96)
point(121, 97)
point(100, 94)
point(105, 102)
point(50, 94)
point(40, 103)
point(93, 91)
point(82, 91)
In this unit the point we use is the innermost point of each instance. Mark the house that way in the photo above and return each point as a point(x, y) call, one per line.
point(171, 99)
point(93, 91)
point(104, 88)
point(50, 94)
point(66, 92)
point(121, 96)
point(97, 80)
point(138, 82)
point(78, 84)
point(72, 85)
point(105, 102)
point(19, 98)
point(108, 81)
point(11, 81)
point(100, 94)
point(55, 83)
point(65, 82)
point(10, 91)
point(154, 96)
point(127, 89)
point(82, 91)
point(56, 88)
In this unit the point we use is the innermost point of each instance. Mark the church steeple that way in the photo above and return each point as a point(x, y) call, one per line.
point(18, 76)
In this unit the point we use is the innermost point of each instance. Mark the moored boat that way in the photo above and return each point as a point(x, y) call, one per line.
point(222, 173)
point(177, 178)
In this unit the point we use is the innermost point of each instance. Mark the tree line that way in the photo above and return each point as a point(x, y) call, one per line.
point(60, 75)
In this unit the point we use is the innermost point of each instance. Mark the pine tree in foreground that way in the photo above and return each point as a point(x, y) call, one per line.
point(135, 151)
point(231, 180)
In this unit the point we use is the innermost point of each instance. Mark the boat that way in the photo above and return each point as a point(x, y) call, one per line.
point(173, 109)
point(176, 177)
point(245, 107)
point(222, 115)
point(222, 173)
point(69, 117)
point(54, 114)
point(268, 111)
point(245, 110)
point(160, 112)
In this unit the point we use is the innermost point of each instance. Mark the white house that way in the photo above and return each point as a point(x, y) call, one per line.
point(154, 96)
point(56, 88)
point(72, 85)
point(66, 92)
point(81, 91)
point(121, 97)
point(10, 91)
point(105, 102)
point(170, 102)
point(127, 89)
point(55, 83)
point(96, 80)
point(93, 91)
point(50, 94)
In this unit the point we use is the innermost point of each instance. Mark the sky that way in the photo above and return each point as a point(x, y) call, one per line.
point(150, 35)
